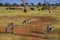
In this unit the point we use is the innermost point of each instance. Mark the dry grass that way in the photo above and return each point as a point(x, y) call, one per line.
point(6, 16)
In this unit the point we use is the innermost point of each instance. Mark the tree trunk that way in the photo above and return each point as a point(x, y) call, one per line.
point(24, 3)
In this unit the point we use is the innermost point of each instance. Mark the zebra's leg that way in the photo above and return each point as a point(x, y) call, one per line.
point(53, 31)
point(48, 31)
point(12, 31)
point(6, 30)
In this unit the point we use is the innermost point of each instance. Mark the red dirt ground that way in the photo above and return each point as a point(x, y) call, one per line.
point(36, 29)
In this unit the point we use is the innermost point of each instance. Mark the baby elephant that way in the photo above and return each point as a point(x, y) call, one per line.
point(50, 29)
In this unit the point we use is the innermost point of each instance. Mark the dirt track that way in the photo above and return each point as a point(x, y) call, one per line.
point(36, 28)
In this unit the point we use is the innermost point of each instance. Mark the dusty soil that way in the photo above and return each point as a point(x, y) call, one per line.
point(32, 31)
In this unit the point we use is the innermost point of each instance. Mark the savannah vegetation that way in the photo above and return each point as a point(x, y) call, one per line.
point(18, 15)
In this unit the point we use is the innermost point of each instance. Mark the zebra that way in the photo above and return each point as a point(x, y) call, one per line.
point(50, 29)
point(10, 28)
point(27, 21)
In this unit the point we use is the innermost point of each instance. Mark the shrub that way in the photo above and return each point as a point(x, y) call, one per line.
point(32, 8)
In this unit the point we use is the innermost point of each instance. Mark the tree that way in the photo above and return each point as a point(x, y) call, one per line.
point(43, 4)
point(56, 4)
point(49, 7)
point(24, 3)
point(14, 4)
point(1, 4)
point(52, 4)
point(59, 3)
point(32, 4)
point(27, 4)
point(39, 4)
point(7, 4)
